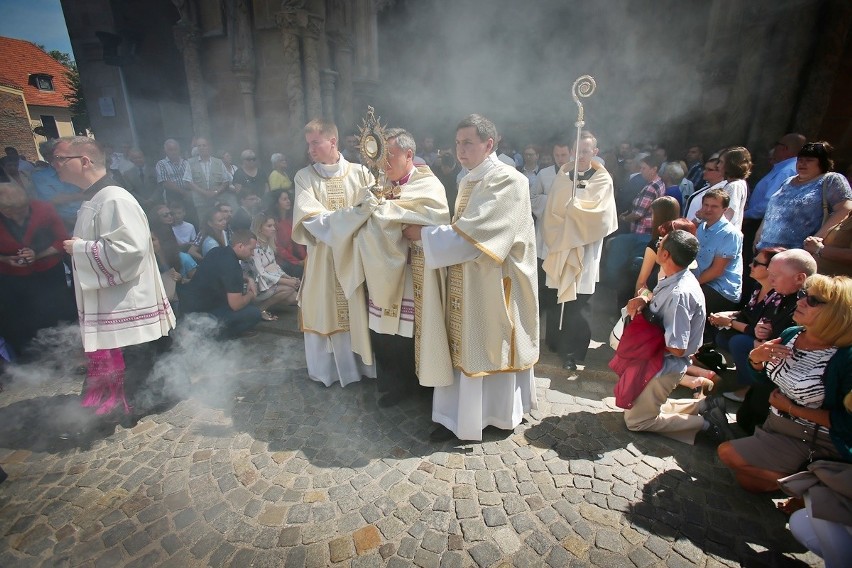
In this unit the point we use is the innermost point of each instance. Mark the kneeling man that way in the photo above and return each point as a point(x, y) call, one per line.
point(678, 305)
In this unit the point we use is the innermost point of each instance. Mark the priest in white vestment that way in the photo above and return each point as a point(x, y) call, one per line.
point(332, 202)
point(120, 296)
point(406, 300)
point(575, 222)
point(492, 291)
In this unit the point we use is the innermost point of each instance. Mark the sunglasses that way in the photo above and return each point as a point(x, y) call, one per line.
point(811, 300)
point(756, 263)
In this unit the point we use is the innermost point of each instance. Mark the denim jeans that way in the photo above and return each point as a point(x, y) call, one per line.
point(739, 345)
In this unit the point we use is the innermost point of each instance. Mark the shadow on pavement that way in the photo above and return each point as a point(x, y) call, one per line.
point(730, 523)
point(52, 424)
point(695, 501)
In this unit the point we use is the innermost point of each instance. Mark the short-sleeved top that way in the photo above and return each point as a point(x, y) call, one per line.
point(738, 192)
point(48, 186)
point(724, 240)
point(218, 275)
point(679, 303)
point(179, 173)
point(184, 233)
point(794, 212)
point(208, 244)
point(187, 265)
point(253, 184)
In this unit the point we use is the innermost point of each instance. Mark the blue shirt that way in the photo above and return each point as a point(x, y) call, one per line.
point(724, 240)
point(795, 211)
point(48, 186)
point(767, 186)
point(679, 303)
point(674, 191)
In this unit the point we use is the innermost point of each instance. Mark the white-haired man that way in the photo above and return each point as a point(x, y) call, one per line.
point(406, 309)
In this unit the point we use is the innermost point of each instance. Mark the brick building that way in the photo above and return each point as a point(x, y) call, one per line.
point(33, 90)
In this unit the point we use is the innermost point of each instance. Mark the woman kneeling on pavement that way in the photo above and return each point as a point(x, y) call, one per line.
point(811, 365)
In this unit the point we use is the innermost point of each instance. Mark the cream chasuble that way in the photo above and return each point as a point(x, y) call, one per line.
point(574, 229)
point(120, 296)
point(383, 255)
point(492, 302)
point(492, 305)
point(328, 211)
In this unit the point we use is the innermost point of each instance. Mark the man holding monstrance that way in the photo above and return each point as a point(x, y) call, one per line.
point(405, 299)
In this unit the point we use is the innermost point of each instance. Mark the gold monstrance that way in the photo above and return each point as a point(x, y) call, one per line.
point(374, 148)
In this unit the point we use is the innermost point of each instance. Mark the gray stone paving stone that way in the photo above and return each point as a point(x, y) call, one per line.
point(200, 473)
point(473, 530)
point(397, 562)
point(426, 559)
point(452, 560)
point(494, 516)
point(466, 509)
point(485, 554)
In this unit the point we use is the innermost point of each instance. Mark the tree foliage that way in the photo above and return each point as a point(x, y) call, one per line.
point(79, 113)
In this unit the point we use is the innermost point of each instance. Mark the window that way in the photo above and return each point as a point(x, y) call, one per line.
point(42, 82)
point(49, 123)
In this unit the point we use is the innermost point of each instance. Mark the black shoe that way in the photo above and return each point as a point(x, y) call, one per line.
point(719, 427)
point(392, 398)
point(441, 434)
point(3, 475)
point(569, 364)
point(712, 402)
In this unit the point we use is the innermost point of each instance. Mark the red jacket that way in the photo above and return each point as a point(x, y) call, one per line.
point(638, 358)
point(44, 229)
point(285, 248)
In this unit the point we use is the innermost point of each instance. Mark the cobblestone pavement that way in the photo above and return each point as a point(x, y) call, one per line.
point(273, 469)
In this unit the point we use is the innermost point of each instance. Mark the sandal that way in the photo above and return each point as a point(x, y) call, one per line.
point(266, 316)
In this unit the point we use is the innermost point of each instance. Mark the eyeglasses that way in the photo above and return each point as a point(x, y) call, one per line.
point(756, 263)
point(251, 159)
point(62, 159)
point(811, 300)
point(166, 214)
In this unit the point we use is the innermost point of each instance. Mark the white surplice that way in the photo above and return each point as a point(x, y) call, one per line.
point(330, 356)
point(470, 404)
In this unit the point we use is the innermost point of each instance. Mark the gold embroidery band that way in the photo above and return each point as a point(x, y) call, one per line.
point(334, 194)
point(455, 298)
point(417, 264)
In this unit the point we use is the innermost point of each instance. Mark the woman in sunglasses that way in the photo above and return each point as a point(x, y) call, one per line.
point(811, 367)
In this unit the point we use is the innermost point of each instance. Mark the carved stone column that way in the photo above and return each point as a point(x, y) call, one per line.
point(187, 40)
point(291, 53)
point(327, 79)
point(313, 94)
point(343, 63)
point(243, 65)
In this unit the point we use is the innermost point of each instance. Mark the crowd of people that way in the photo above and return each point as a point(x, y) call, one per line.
point(440, 279)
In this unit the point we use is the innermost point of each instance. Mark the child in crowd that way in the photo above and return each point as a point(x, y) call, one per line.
point(185, 232)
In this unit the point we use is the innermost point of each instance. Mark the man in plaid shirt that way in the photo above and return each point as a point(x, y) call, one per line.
point(174, 177)
point(624, 250)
